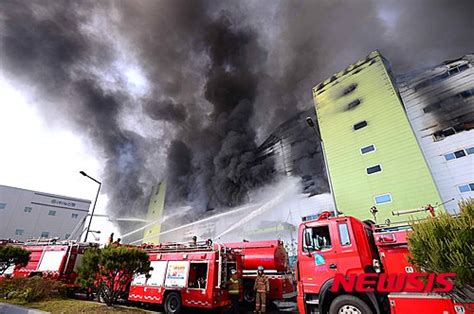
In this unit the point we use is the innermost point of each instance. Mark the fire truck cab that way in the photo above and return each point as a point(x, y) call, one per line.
point(345, 245)
point(186, 275)
point(330, 245)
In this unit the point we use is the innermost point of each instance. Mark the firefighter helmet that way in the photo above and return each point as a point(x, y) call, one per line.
point(233, 271)
point(260, 268)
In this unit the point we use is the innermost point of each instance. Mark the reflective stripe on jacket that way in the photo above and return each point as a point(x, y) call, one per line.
point(234, 286)
point(261, 283)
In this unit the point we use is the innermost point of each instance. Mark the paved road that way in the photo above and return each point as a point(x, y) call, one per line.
point(6, 308)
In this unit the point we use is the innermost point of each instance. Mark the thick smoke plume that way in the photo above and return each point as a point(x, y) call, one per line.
point(185, 91)
point(45, 45)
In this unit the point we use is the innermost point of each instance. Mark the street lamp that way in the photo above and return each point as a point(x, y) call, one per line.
point(95, 201)
point(311, 124)
point(93, 234)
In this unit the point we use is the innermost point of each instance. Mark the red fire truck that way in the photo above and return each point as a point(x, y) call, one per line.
point(329, 246)
point(274, 258)
point(190, 275)
point(53, 259)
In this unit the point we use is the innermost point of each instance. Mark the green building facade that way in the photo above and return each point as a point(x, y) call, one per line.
point(155, 213)
point(371, 151)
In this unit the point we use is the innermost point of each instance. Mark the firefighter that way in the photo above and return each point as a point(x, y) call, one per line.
point(261, 288)
point(111, 238)
point(234, 290)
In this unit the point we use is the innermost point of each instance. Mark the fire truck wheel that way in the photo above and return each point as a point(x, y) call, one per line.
point(249, 295)
point(101, 294)
point(348, 304)
point(173, 303)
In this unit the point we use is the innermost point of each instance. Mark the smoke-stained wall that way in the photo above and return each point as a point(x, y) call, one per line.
point(439, 103)
point(187, 90)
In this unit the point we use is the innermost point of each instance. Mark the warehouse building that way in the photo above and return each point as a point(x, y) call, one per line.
point(26, 214)
point(155, 213)
point(439, 103)
point(372, 153)
point(393, 143)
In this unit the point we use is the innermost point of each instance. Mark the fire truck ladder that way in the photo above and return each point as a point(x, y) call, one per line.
point(405, 224)
point(181, 246)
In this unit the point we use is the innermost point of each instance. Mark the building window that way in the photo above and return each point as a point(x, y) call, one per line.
point(344, 234)
point(449, 156)
point(442, 76)
point(27, 209)
point(67, 236)
point(44, 234)
point(440, 135)
point(466, 187)
point(74, 216)
point(3, 205)
point(349, 89)
point(446, 103)
point(467, 93)
point(52, 213)
point(19, 232)
point(367, 149)
point(353, 104)
point(360, 125)
point(459, 153)
point(382, 199)
point(374, 169)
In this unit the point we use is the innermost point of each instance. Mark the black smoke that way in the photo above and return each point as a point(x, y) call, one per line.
point(222, 154)
point(43, 45)
point(166, 110)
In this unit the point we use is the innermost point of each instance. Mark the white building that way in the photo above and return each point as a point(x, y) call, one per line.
point(440, 106)
point(26, 214)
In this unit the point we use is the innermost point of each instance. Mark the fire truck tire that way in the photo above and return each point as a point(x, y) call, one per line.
point(249, 296)
point(103, 290)
point(173, 303)
point(348, 304)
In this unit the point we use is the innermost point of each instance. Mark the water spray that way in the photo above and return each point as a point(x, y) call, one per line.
point(192, 223)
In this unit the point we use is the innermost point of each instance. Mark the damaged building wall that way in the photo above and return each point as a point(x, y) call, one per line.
point(295, 151)
point(439, 102)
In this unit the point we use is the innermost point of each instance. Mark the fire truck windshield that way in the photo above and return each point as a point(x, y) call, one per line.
point(319, 238)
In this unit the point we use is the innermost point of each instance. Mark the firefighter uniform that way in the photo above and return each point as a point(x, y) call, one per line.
point(261, 287)
point(234, 292)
